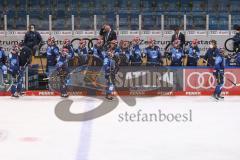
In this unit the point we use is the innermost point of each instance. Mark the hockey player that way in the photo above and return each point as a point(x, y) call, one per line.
point(193, 53)
point(232, 59)
point(24, 60)
point(14, 70)
point(153, 54)
point(3, 67)
point(25, 54)
point(110, 69)
point(125, 54)
point(211, 53)
point(238, 58)
point(67, 44)
point(136, 52)
point(98, 51)
point(236, 39)
point(52, 55)
point(62, 71)
point(219, 74)
point(115, 50)
point(176, 54)
point(113, 47)
point(82, 52)
point(235, 57)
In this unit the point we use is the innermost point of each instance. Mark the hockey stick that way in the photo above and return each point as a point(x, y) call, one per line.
point(24, 67)
point(235, 84)
point(81, 72)
point(53, 77)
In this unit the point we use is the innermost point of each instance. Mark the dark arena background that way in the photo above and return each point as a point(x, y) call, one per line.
point(119, 79)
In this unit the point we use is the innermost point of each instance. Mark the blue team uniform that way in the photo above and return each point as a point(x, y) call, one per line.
point(3, 67)
point(98, 52)
point(236, 43)
point(70, 51)
point(117, 51)
point(110, 70)
point(193, 56)
point(233, 59)
point(153, 55)
point(238, 59)
point(219, 73)
point(62, 72)
point(52, 55)
point(14, 70)
point(136, 56)
point(125, 57)
point(70, 55)
point(116, 57)
point(176, 56)
point(82, 54)
point(209, 56)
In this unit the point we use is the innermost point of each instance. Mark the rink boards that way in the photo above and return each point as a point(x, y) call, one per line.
point(146, 81)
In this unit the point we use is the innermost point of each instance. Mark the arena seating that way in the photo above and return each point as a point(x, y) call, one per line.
point(128, 11)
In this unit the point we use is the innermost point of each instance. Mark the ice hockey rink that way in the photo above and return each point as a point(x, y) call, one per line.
point(30, 130)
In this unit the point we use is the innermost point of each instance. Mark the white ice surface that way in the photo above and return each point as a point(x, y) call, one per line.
point(29, 130)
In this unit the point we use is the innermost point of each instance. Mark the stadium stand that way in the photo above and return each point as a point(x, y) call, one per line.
point(128, 11)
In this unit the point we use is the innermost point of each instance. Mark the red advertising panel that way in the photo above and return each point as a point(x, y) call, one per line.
point(203, 80)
